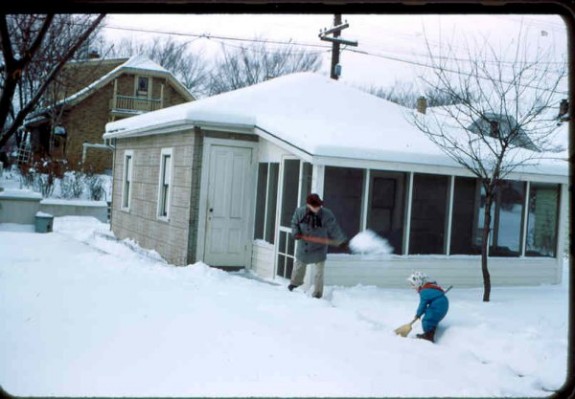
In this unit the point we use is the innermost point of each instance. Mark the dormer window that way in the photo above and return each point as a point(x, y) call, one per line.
point(143, 85)
point(494, 128)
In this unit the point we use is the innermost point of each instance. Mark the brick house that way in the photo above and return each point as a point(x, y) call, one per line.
point(89, 94)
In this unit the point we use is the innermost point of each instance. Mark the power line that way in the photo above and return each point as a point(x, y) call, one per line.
point(291, 43)
point(210, 36)
point(323, 47)
point(416, 63)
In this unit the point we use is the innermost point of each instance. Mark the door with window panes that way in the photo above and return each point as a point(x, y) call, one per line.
point(296, 185)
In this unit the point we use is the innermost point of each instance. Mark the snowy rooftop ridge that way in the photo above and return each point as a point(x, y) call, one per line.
point(308, 112)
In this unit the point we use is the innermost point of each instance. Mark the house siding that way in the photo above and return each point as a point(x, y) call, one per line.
point(84, 124)
point(347, 270)
point(195, 159)
point(263, 259)
point(171, 238)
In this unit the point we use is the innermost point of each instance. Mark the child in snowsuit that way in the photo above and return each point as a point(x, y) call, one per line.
point(433, 304)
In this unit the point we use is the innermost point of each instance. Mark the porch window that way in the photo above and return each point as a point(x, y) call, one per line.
point(266, 201)
point(465, 212)
point(428, 214)
point(542, 220)
point(290, 189)
point(343, 192)
point(385, 207)
point(165, 182)
point(306, 178)
point(127, 179)
point(506, 219)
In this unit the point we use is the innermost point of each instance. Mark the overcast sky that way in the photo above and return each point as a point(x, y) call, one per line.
point(391, 47)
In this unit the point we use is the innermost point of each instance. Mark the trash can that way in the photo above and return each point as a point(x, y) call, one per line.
point(44, 222)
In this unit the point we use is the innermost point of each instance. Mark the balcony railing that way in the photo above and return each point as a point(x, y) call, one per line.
point(135, 104)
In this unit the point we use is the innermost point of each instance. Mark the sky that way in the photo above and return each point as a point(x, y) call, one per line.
point(87, 315)
point(391, 48)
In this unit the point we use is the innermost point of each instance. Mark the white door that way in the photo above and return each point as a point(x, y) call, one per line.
point(229, 198)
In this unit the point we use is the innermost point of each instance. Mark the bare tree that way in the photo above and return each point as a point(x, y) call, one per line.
point(34, 50)
point(507, 124)
point(406, 94)
point(188, 66)
point(247, 65)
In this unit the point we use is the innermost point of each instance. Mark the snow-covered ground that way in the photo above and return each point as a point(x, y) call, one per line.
point(84, 314)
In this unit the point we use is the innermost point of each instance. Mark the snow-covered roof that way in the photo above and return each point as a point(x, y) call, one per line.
point(311, 113)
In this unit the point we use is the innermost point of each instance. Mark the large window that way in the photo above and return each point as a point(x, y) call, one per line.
point(428, 214)
point(165, 182)
point(510, 198)
point(385, 207)
point(542, 220)
point(343, 189)
point(266, 201)
point(127, 179)
point(465, 196)
point(506, 219)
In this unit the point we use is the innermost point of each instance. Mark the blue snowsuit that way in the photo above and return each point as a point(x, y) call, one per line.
point(433, 303)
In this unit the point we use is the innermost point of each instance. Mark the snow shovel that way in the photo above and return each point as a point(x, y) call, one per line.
point(320, 240)
point(405, 329)
point(365, 242)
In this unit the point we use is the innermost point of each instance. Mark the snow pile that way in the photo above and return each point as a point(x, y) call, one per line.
point(369, 243)
point(86, 315)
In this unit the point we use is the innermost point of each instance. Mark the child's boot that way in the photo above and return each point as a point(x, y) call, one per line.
point(429, 335)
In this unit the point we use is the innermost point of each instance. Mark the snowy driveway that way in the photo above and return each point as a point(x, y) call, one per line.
point(85, 315)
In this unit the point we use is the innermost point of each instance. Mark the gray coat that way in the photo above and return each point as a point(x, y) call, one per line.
point(327, 227)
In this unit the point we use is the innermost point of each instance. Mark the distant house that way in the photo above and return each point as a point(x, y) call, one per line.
point(218, 179)
point(90, 94)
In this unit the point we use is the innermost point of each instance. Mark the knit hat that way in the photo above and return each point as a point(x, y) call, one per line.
point(417, 279)
point(314, 200)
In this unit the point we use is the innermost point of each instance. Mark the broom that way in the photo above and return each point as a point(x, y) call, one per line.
point(405, 329)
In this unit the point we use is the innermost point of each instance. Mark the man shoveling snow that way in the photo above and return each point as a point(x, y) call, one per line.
point(315, 227)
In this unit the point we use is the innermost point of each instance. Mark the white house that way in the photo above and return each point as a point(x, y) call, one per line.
point(218, 179)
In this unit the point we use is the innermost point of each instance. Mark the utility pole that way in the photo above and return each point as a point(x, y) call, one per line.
point(335, 48)
point(336, 41)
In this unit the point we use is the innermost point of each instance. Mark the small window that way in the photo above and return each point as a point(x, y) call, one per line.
point(165, 184)
point(494, 128)
point(127, 179)
point(143, 83)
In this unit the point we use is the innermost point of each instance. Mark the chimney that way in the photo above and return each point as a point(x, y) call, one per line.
point(421, 105)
